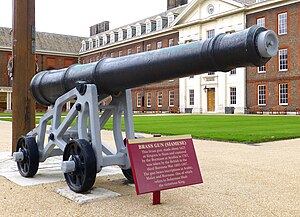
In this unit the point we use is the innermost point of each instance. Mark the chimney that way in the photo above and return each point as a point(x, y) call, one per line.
point(176, 3)
point(98, 28)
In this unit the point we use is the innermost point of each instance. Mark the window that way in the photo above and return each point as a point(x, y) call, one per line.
point(148, 99)
point(211, 73)
point(97, 42)
point(159, 99)
point(129, 51)
point(129, 33)
point(159, 24)
point(90, 43)
point(120, 35)
point(171, 98)
point(91, 60)
point(283, 94)
point(283, 60)
point(148, 27)
point(112, 55)
point(191, 94)
point(120, 53)
point(170, 19)
point(282, 23)
point(138, 49)
point(138, 30)
point(261, 21)
point(159, 45)
point(211, 33)
point(262, 100)
point(171, 42)
point(112, 37)
point(233, 72)
point(104, 40)
point(148, 48)
point(83, 46)
point(262, 69)
point(233, 95)
point(138, 100)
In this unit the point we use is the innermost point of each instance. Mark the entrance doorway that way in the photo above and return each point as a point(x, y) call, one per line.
point(211, 99)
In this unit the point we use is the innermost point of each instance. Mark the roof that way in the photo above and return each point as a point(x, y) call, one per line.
point(50, 42)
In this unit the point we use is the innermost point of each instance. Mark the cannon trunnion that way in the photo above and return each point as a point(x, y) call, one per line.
point(77, 136)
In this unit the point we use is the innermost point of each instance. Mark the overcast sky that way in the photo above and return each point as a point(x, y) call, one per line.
point(74, 17)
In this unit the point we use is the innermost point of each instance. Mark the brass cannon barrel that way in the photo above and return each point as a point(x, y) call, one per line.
point(251, 47)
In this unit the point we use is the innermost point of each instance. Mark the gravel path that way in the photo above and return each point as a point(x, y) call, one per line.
point(239, 180)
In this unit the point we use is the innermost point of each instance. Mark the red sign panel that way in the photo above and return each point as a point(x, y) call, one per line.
point(163, 163)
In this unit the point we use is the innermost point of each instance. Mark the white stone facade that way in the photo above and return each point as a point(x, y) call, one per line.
point(215, 91)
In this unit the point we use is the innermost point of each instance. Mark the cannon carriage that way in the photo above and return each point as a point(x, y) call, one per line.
point(84, 153)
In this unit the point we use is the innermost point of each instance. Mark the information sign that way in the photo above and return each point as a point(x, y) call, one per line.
point(162, 163)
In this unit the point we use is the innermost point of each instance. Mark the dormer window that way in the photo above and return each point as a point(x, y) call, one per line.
point(104, 39)
point(83, 46)
point(90, 43)
point(131, 31)
point(97, 40)
point(138, 29)
point(171, 18)
point(158, 23)
point(113, 37)
point(150, 26)
point(121, 34)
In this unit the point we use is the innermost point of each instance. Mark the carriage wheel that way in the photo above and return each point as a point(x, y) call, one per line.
point(128, 173)
point(28, 167)
point(83, 178)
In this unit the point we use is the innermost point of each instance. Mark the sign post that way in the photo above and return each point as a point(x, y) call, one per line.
point(163, 163)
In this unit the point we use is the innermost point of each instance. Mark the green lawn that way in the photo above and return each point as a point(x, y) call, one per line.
point(236, 128)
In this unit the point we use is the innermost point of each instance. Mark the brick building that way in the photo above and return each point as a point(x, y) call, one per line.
point(277, 83)
point(144, 35)
point(54, 51)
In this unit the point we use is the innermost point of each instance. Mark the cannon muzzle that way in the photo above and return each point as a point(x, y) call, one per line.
point(251, 47)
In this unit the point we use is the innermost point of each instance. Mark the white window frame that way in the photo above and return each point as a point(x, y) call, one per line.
point(232, 94)
point(148, 47)
point(112, 37)
point(261, 21)
point(171, 98)
point(262, 95)
point(210, 33)
point(129, 32)
point(129, 51)
point(138, 100)
point(283, 94)
point(191, 97)
point(171, 42)
point(148, 95)
point(138, 49)
point(120, 53)
point(104, 37)
point(159, 24)
point(120, 35)
point(282, 23)
point(90, 44)
point(159, 44)
point(83, 46)
point(159, 98)
point(262, 69)
point(171, 18)
point(148, 27)
point(138, 30)
point(283, 59)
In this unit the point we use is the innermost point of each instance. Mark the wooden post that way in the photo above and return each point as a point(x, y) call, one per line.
point(23, 105)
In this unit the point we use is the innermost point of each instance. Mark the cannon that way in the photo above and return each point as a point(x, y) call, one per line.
point(83, 152)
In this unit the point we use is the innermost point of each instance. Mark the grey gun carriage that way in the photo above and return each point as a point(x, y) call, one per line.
point(83, 151)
